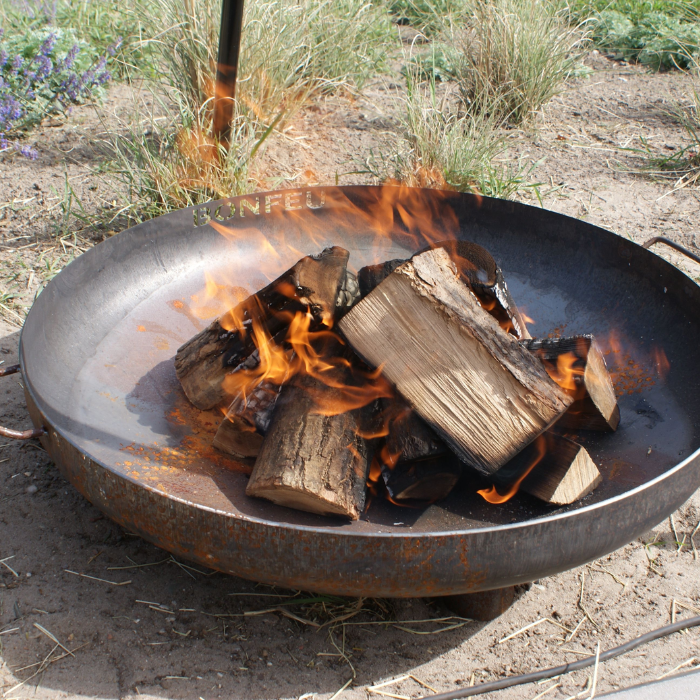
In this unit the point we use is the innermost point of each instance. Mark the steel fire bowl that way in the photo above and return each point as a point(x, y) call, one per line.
point(97, 358)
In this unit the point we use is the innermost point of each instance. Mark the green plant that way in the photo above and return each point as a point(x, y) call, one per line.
point(439, 62)
point(516, 56)
point(99, 24)
point(662, 34)
point(44, 71)
point(441, 148)
point(429, 16)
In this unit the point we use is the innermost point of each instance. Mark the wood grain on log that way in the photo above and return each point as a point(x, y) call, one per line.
point(578, 365)
point(309, 461)
point(313, 284)
point(484, 394)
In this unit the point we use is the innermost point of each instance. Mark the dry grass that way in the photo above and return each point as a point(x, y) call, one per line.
point(440, 146)
point(516, 55)
point(291, 51)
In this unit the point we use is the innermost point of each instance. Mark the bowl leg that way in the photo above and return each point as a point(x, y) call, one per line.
point(483, 606)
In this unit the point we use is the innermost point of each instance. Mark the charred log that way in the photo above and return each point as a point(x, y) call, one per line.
point(428, 479)
point(247, 421)
point(313, 285)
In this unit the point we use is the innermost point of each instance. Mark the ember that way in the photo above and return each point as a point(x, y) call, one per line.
point(396, 380)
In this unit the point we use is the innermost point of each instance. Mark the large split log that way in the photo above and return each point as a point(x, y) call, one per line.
point(309, 461)
point(552, 468)
point(578, 366)
point(477, 268)
point(313, 284)
point(484, 394)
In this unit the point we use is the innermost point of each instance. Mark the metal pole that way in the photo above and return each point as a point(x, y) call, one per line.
point(227, 67)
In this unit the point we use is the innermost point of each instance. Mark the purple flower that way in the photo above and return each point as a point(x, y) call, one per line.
point(27, 151)
point(69, 59)
point(112, 49)
point(3, 58)
point(47, 45)
point(17, 63)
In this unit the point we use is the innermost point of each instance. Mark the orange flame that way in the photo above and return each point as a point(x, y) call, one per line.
point(568, 374)
point(314, 354)
point(491, 494)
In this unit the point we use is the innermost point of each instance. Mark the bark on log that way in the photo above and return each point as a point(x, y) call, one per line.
point(578, 365)
point(484, 394)
point(563, 471)
point(312, 284)
point(309, 461)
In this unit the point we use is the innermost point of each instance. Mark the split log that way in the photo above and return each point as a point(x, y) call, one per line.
point(428, 479)
point(477, 268)
point(578, 366)
point(483, 393)
point(554, 469)
point(313, 284)
point(247, 421)
point(310, 461)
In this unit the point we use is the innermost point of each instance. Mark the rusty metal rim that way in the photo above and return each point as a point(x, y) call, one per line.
point(318, 530)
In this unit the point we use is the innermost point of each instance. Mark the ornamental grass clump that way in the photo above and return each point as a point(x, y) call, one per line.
point(44, 72)
point(440, 146)
point(516, 55)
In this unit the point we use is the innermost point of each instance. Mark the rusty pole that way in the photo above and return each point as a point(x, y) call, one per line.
point(227, 67)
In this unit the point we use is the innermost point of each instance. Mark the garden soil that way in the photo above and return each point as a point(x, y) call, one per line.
point(123, 647)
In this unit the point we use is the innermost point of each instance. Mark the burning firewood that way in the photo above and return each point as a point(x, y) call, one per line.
point(310, 461)
point(578, 366)
point(313, 285)
point(478, 270)
point(553, 468)
point(414, 462)
point(247, 421)
point(430, 479)
point(486, 396)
